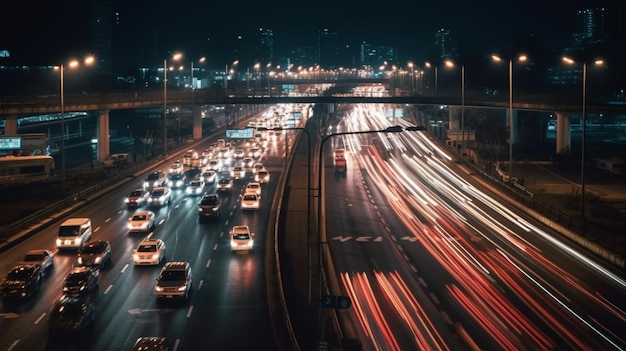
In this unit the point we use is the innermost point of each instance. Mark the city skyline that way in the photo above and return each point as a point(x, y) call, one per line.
point(143, 32)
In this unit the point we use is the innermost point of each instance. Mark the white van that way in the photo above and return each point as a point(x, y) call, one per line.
point(73, 233)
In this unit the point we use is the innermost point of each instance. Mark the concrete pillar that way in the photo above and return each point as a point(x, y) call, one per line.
point(563, 135)
point(453, 122)
point(515, 138)
point(197, 122)
point(103, 135)
point(10, 125)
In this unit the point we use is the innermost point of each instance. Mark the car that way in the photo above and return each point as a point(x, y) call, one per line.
point(42, 257)
point(149, 252)
point(176, 180)
point(95, 253)
point(176, 167)
point(255, 152)
point(160, 196)
point(71, 315)
point(174, 281)
point(209, 176)
point(209, 206)
point(116, 160)
point(239, 153)
point(262, 176)
point(80, 281)
point(155, 179)
point(214, 165)
point(241, 239)
point(137, 198)
point(195, 187)
point(253, 187)
point(247, 162)
point(225, 184)
point(257, 167)
point(150, 343)
point(226, 171)
point(250, 201)
point(22, 281)
point(239, 172)
point(141, 221)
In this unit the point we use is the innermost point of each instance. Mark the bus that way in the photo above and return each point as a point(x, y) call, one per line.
point(21, 170)
point(31, 144)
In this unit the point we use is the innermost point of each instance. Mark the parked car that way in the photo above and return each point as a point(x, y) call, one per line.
point(22, 281)
point(95, 253)
point(174, 281)
point(141, 221)
point(149, 252)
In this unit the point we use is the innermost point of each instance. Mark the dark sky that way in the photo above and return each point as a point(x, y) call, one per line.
point(150, 28)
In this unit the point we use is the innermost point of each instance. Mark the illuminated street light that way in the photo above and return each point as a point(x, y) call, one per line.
point(596, 62)
point(320, 220)
point(520, 58)
point(450, 64)
point(177, 56)
point(89, 60)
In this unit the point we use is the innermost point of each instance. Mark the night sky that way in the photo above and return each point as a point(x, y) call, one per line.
point(207, 28)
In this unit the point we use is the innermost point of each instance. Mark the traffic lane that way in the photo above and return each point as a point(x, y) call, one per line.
point(375, 274)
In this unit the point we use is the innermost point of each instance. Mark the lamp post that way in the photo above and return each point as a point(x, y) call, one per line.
point(583, 121)
point(227, 73)
point(427, 64)
point(450, 64)
point(320, 219)
point(193, 87)
point(520, 58)
point(89, 60)
point(175, 57)
point(257, 84)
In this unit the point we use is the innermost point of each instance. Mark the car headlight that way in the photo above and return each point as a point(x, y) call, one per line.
point(135, 257)
point(158, 288)
point(126, 200)
point(182, 288)
point(98, 259)
point(59, 241)
point(77, 241)
point(80, 260)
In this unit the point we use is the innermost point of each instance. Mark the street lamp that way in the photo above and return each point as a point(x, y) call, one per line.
point(177, 56)
point(596, 62)
point(257, 68)
point(392, 129)
point(89, 60)
point(427, 64)
point(450, 64)
point(227, 73)
point(520, 58)
point(193, 87)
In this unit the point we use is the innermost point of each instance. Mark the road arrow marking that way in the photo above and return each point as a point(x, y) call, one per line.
point(342, 239)
point(9, 315)
point(136, 311)
point(363, 238)
point(409, 238)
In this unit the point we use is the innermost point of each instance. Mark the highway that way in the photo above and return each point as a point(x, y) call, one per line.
point(433, 259)
point(227, 308)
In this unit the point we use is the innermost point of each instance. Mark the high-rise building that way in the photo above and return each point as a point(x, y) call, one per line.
point(266, 45)
point(376, 55)
point(443, 44)
point(599, 23)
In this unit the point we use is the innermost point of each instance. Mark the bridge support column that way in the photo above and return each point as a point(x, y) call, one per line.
point(10, 125)
point(197, 122)
point(563, 134)
point(514, 135)
point(103, 135)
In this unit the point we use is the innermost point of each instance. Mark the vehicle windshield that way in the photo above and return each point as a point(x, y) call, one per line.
point(139, 217)
point(92, 249)
point(69, 231)
point(147, 248)
point(195, 183)
point(69, 309)
point(154, 176)
point(209, 201)
point(250, 197)
point(241, 236)
point(18, 274)
point(34, 257)
point(76, 279)
point(158, 193)
point(136, 193)
point(173, 275)
point(224, 181)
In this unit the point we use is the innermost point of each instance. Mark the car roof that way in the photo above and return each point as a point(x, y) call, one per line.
point(160, 188)
point(37, 252)
point(80, 269)
point(150, 241)
point(141, 213)
point(93, 243)
point(176, 266)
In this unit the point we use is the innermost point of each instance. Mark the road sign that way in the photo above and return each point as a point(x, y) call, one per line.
point(241, 133)
point(334, 301)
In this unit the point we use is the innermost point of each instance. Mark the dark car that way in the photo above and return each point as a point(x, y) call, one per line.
point(225, 184)
point(22, 281)
point(176, 180)
point(42, 257)
point(155, 179)
point(95, 253)
point(71, 315)
point(150, 343)
point(80, 281)
point(137, 198)
point(209, 206)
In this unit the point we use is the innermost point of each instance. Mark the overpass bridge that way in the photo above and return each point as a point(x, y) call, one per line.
point(14, 107)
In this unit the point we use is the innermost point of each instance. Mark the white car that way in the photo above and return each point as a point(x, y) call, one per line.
point(177, 167)
point(239, 153)
point(253, 187)
point(209, 176)
point(149, 252)
point(195, 187)
point(241, 239)
point(141, 221)
point(250, 201)
point(239, 172)
point(160, 196)
point(214, 165)
point(262, 176)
